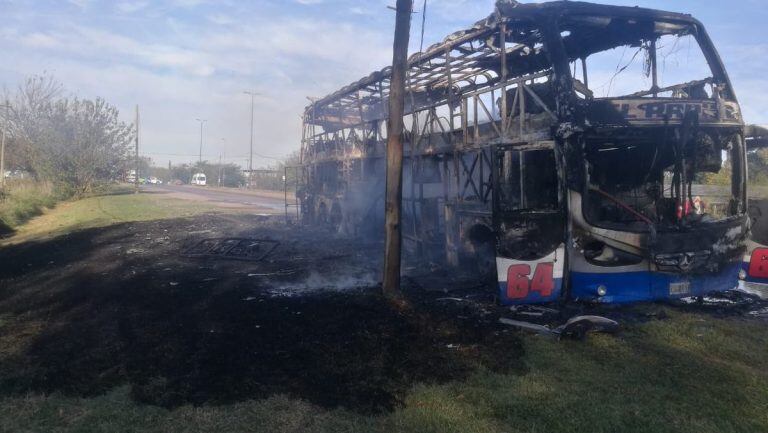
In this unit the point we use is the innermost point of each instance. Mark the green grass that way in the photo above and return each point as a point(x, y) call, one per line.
point(23, 200)
point(120, 205)
point(687, 372)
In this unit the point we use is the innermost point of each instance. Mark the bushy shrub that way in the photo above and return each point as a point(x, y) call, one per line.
point(22, 200)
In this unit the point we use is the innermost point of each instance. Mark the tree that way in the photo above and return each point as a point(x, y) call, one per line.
point(182, 173)
point(277, 182)
point(757, 166)
point(145, 165)
point(25, 119)
point(74, 143)
point(231, 174)
point(84, 143)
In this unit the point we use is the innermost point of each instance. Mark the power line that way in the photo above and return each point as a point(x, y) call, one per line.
point(236, 159)
point(212, 155)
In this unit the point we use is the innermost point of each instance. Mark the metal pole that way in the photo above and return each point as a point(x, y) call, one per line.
point(221, 168)
point(285, 191)
point(2, 161)
point(394, 191)
point(200, 160)
point(654, 69)
point(250, 155)
point(136, 178)
point(7, 107)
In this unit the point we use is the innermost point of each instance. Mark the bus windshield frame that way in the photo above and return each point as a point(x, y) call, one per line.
point(666, 155)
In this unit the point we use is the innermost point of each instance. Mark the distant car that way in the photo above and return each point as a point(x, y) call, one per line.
point(155, 181)
point(199, 179)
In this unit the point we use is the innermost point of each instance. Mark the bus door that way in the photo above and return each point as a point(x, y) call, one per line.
point(529, 223)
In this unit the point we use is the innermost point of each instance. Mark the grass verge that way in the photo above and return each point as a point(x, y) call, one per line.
point(23, 200)
point(119, 205)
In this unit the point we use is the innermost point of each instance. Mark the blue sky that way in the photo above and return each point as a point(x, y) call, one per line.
point(186, 59)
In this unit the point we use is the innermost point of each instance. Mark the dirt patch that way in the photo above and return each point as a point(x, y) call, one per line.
point(120, 305)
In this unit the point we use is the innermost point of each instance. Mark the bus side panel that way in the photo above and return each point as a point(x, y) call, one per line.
point(530, 282)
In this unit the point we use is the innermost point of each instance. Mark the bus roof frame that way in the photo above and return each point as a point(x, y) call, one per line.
point(365, 99)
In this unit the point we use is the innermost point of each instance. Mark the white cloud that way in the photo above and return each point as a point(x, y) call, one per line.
point(82, 4)
point(221, 19)
point(131, 6)
point(100, 45)
point(40, 40)
point(356, 10)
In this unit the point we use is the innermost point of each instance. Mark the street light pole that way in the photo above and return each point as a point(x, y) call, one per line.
point(250, 156)
point(2, 146)
point(221, 168)
point(138, 159)
point(200, 160)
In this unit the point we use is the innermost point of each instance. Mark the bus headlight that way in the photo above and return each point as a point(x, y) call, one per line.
point(742, 274)
point(602, 290)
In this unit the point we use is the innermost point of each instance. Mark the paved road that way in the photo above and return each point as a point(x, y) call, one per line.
point(265, 203)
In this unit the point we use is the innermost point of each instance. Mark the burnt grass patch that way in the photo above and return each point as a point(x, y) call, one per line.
point(107, 307)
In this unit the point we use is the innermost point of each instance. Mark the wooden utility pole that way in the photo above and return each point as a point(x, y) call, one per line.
point(394, 193)
point(136, 178)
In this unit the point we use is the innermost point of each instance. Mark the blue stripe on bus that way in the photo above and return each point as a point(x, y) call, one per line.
point(647, 286)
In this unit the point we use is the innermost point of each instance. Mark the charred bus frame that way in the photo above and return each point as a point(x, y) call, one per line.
point(505, 146)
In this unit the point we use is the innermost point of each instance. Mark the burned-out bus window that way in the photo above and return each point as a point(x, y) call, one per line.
point(619, 57)
point(642, 183)
point(509, 185)
point(527, 180)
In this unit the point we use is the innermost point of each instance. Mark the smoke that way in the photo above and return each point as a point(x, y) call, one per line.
point(315, 282)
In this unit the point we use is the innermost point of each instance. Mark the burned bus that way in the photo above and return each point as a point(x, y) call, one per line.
point(573, 151)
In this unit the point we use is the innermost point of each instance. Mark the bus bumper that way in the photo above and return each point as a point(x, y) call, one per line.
point(751, 284)
point(626, 287)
